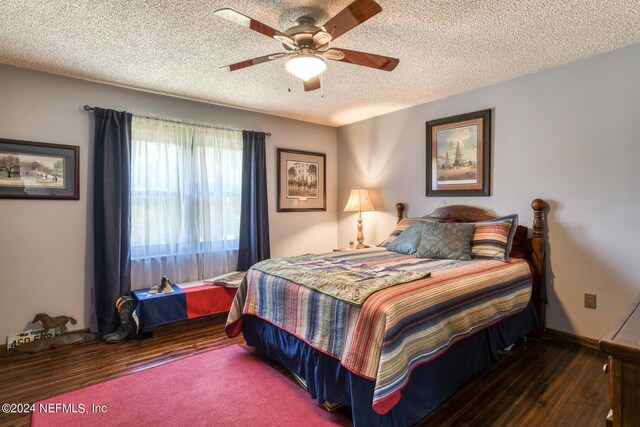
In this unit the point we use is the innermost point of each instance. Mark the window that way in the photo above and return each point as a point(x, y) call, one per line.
point(185, 200)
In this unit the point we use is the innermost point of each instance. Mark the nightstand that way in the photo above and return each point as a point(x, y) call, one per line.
point(622, 343)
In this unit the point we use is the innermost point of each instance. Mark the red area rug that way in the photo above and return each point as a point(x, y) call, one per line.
point(228, 387)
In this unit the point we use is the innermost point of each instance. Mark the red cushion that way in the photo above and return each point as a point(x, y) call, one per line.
point(205, 300)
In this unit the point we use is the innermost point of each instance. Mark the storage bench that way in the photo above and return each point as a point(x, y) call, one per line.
point(186, 302)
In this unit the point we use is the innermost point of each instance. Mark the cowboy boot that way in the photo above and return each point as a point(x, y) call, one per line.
point(116, 332)
point(132, 322)
point(128, 327)
point(119, 330)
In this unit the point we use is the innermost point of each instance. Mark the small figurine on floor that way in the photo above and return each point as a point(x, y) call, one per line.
point(49, 322)
point(163, 288)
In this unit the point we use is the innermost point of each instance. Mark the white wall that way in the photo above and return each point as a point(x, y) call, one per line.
point(46, 246)
point(570, 135)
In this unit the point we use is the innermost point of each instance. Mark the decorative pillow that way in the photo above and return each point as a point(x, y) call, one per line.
point(494, 238)
point(402, 226)
point(409, 240)
point(446, 240)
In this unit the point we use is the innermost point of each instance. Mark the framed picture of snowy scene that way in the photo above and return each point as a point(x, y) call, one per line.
point(34, 170)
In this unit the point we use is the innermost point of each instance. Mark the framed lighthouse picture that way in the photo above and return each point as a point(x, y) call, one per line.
point(459, 155)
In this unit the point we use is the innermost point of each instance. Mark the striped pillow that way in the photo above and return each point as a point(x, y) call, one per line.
point(493, 239)
point(402, 226)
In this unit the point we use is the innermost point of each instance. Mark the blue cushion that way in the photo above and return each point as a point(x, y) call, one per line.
point(408, 241)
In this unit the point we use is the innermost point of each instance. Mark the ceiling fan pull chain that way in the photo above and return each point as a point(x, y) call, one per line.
point(322, 85)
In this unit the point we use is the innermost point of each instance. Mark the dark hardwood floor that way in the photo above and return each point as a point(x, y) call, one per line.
point(538, 383)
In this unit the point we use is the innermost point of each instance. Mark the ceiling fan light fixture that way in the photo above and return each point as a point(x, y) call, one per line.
point(306, 66)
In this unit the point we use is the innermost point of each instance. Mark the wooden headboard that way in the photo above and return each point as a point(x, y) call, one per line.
point(536, 255)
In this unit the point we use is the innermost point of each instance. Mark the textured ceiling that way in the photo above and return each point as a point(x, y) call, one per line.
point(176, 47)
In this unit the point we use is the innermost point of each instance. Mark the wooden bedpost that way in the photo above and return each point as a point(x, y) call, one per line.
point(400, 211)
point(537, 260)
point(537, 242)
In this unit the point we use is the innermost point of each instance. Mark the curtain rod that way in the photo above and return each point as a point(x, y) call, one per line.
point(89, 108)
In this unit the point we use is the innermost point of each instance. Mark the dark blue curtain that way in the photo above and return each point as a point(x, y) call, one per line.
point(111, 214)
point(254, 213)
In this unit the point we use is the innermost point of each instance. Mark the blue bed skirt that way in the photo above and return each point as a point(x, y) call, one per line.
point(431, 383)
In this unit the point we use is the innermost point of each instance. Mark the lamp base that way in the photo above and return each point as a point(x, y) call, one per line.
point(360, 237)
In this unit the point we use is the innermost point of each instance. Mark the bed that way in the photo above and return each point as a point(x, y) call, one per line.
point(413, 330)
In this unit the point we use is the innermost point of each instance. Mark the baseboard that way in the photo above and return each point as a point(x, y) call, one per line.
point(556, 335)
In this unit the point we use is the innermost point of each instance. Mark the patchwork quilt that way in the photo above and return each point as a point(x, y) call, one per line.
point(395, 328)
point(351, 282)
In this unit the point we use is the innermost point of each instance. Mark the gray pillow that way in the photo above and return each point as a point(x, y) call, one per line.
point(408, 241)
point(446, 240)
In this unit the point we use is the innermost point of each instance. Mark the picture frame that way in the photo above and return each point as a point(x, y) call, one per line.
point(302, 180)
point(35, 170)
point(459, 155)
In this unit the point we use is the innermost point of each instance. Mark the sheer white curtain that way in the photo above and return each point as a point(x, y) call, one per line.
point(185, 201)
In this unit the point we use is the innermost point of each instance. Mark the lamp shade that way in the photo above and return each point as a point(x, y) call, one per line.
point(359, 201)
point(305, 66)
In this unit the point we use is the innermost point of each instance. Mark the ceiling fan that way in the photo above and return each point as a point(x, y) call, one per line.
point(307, 44)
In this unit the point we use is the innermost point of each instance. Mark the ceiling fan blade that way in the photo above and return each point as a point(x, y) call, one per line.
point(312, 84)
point(254, 61)
point(245, 21)
point(281, 55)
point(351, 16)
point(362, 58)
point(333, 54)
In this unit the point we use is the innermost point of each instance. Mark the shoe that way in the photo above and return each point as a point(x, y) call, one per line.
point(128, 327)
point(118, 331)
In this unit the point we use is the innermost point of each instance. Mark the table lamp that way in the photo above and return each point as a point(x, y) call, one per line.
point(359, 202)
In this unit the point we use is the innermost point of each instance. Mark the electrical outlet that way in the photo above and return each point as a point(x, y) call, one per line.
point(590, 300)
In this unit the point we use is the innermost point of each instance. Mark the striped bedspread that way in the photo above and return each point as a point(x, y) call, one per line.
point(349, 281)
point(397, 328)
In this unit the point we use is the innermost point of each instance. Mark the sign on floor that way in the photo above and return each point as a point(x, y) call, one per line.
point(25, 337)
